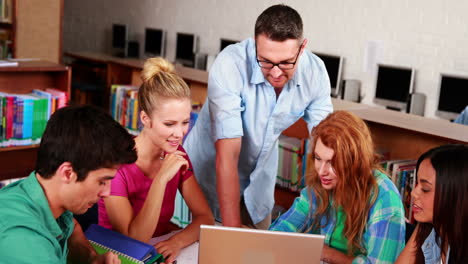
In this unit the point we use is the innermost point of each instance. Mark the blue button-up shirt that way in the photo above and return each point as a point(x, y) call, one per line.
point(431, 250)
point(242, 103)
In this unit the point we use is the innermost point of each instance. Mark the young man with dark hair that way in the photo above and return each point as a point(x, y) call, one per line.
point(79, 154)
point(256, 89)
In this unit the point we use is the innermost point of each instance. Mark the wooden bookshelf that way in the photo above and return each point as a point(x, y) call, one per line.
point(19, 161)
point(33, 28)
point(127, 71)
point(8, 27)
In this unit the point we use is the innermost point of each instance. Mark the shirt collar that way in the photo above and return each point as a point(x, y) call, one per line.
point(257, 75)
point(37, 196)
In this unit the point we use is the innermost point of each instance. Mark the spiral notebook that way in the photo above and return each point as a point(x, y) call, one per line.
point(128, 249)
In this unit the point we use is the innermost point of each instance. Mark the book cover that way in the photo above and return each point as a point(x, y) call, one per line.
point(122, 245)
point(60, 96)
point(47, 96)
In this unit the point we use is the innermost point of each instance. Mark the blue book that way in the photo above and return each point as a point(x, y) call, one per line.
point(28, 107)
point(120, 244)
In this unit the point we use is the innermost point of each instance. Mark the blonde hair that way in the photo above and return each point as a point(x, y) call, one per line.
point(353, 161)
point(160, 81)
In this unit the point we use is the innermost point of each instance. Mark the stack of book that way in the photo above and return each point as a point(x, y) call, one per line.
point(124, 107)
point(6, 11)
point(24, 116)
point(182, 216)
point(292, 163)
point(403, 175)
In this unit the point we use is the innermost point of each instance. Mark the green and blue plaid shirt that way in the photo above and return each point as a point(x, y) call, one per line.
point(384, 235)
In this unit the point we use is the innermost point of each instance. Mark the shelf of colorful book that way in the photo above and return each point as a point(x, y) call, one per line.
point(29, 93)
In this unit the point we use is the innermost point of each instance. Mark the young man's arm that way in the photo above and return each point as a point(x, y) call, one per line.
point(227, 180)
point(81, 251)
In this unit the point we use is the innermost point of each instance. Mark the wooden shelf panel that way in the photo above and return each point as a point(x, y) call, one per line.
point(15, 148)
point(17, 161)
point(24, 82)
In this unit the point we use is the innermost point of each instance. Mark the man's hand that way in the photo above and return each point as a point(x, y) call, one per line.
point(107, 258)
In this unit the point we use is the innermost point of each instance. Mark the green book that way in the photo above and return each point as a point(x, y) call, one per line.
point(124, 259)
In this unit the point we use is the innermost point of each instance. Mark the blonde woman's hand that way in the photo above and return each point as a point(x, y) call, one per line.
point(172, 163)
point(170, 249)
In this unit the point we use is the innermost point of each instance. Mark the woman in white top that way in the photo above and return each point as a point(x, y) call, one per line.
point(440, 207)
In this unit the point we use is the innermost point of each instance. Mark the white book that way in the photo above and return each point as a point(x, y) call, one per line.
point(5, 63)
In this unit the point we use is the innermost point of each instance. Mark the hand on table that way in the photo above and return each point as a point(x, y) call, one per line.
point(170, 249)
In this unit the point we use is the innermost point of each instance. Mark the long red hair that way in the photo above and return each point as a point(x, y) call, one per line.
point(353, 162)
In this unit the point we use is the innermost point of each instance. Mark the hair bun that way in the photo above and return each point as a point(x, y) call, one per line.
point(155, 66)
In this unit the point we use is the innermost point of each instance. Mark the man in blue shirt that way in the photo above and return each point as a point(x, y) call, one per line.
point(79, 154)
point(256, 89)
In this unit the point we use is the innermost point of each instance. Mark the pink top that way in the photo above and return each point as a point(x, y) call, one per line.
point(130, 182)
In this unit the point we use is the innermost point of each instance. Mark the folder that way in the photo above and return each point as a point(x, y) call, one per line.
point(128, 249)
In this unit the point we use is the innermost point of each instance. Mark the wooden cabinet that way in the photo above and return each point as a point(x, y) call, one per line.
point(20, 161)
point(7, 28)
point(31, 29)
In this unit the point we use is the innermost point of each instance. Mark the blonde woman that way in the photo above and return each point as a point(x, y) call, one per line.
point(141, 202)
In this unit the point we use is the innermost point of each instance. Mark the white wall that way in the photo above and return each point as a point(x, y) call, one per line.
point(429, 35)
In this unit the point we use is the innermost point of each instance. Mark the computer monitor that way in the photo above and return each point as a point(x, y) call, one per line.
point(453, 96)
point(334, 65)
point(119, 39)
point(155, 42)
point(393, 86)
point(226, 42)
point(186, 48)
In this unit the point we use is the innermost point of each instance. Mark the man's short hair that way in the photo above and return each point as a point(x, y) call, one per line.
point(279, 23)
point(85, 136)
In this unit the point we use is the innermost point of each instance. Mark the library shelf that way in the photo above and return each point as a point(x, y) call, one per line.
point(19, 161)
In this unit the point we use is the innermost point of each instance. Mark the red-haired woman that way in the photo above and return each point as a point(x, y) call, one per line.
point(348, 198)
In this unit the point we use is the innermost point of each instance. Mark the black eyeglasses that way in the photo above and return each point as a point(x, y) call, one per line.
point(282, 65)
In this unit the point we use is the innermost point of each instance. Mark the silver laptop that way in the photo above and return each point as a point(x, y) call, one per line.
point(229, 245)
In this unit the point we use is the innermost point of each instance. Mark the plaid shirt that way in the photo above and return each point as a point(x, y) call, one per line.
point(384, 235)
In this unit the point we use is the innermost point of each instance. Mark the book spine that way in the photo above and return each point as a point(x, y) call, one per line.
point(120, 254)
point(28, 105)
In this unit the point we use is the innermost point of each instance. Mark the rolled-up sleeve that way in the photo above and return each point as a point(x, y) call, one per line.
point(224, 98)
point(321, 105)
